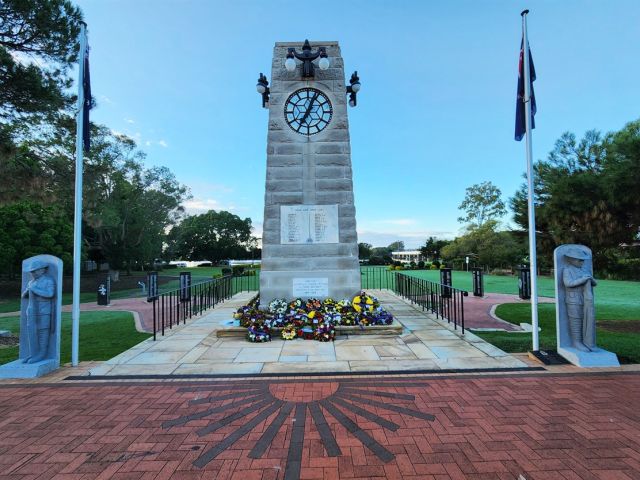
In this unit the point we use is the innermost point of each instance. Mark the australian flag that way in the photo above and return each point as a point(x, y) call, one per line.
point(520, 110)
point(86, 87)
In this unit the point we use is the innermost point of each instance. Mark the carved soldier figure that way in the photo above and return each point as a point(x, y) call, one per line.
point(579, 283)
point(40, 291)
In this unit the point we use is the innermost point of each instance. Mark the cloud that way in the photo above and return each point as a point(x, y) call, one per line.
point(162, 143)
point(129, 120)
point(147, 143)
point(105, 99)
point(196, 206)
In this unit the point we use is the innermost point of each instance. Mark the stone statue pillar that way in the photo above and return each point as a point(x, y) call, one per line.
point(575, 310)
point(309, 241)
point(40, 319)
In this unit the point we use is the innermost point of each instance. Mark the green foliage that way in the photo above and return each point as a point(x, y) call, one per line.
point(212, 236)
point(488, 246)
point(433, 246)
point(396, 246)
point(28, 229)
point(364, 250)
point(482, 203)
point(585, 192)
point(34, 33)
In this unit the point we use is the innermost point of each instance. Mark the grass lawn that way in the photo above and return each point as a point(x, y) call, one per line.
point(621, 336)
point(103, 335)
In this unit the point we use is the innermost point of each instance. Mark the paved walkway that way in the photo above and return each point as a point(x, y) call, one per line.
point(478, 311)
point(194, 348)
point(513, 427)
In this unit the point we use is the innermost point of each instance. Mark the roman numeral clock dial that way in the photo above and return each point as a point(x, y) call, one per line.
point(308, 111)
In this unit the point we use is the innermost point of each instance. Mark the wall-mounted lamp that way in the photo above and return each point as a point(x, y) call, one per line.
point(353, 89)
point(307, 57)
point(263, 89)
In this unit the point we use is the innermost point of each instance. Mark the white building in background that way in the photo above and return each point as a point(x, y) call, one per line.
point(408, 256)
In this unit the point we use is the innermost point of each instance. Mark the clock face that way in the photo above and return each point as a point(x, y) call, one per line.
point(308, 111)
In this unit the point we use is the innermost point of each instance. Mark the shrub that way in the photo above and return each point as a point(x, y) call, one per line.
point(421, 265)
point(226, 271)
point(238, 270)
point(433, 266)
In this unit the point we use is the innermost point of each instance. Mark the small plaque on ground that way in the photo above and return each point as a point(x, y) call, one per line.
point(310, 287)
point(308, 224)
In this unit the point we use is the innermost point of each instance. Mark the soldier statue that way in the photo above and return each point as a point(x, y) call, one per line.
point(41, 321)
point(579, 283)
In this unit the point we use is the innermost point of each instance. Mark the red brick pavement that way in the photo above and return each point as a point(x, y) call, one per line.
point(501, 427)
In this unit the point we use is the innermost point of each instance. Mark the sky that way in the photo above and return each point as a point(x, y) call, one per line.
point(435, 113)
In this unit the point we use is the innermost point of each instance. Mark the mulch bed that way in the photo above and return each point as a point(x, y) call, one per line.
point(622, 326)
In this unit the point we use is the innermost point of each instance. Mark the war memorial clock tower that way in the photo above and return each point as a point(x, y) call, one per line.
point(309, 241)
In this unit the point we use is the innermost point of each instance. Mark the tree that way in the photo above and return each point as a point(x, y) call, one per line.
point(28, 229)
point(364, 250)
point(491, 248)
point(432, 247)
point(396, 246)
point(482, 203)
point(210, 236)
point(583, 194)
point(34, 33)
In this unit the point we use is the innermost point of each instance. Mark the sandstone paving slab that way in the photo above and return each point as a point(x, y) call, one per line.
point(150, 358)
point(292, 358)
point(219, 354)
point(456, 352)
point(269, 354)
point(420, 350)
point(356, 352)
point(194, 354)
point(321, 358)
point(307, 347)
point(389, 352)
point(142, 369)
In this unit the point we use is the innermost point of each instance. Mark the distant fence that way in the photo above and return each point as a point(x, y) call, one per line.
point(442, 300)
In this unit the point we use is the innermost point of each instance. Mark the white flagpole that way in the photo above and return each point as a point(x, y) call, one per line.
point(532, 215)
point(77, 221)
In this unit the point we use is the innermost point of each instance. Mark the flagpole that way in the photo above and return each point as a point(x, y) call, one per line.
point(532, 215)
point(77, 220)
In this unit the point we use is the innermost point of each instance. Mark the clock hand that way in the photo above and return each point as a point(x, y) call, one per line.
point(306, 114)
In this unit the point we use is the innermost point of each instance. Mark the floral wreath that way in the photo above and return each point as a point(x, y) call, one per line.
point(325, 333)
point(364, 303)
point(289, 332)
point(258, 334)
point(278, 305)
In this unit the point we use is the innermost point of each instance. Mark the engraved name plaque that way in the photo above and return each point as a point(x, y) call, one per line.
point(310, 287)
point(308, 224)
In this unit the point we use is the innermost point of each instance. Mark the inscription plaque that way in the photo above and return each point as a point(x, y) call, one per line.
point(310, 287)
point(308, 224)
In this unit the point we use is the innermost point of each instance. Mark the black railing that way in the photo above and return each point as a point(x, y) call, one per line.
point(245, 283)
point(442, 300)
point(377, 278)
point(175, 306)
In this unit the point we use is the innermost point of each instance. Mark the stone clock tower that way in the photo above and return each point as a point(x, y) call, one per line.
point(309, 242)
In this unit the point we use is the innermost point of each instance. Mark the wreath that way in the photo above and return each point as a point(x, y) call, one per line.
point(296, 304)
point(364, 303)
point(278, 305)
point(325, 333)
point(258, 334)
point(313, 304)
point(289, 332)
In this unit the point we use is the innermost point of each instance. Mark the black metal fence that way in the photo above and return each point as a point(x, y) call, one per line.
point(175, 306)
point(377, 278)
point(442, 300)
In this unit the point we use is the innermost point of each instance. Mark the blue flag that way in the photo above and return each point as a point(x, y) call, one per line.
point(86, 87)
point(520, 110)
